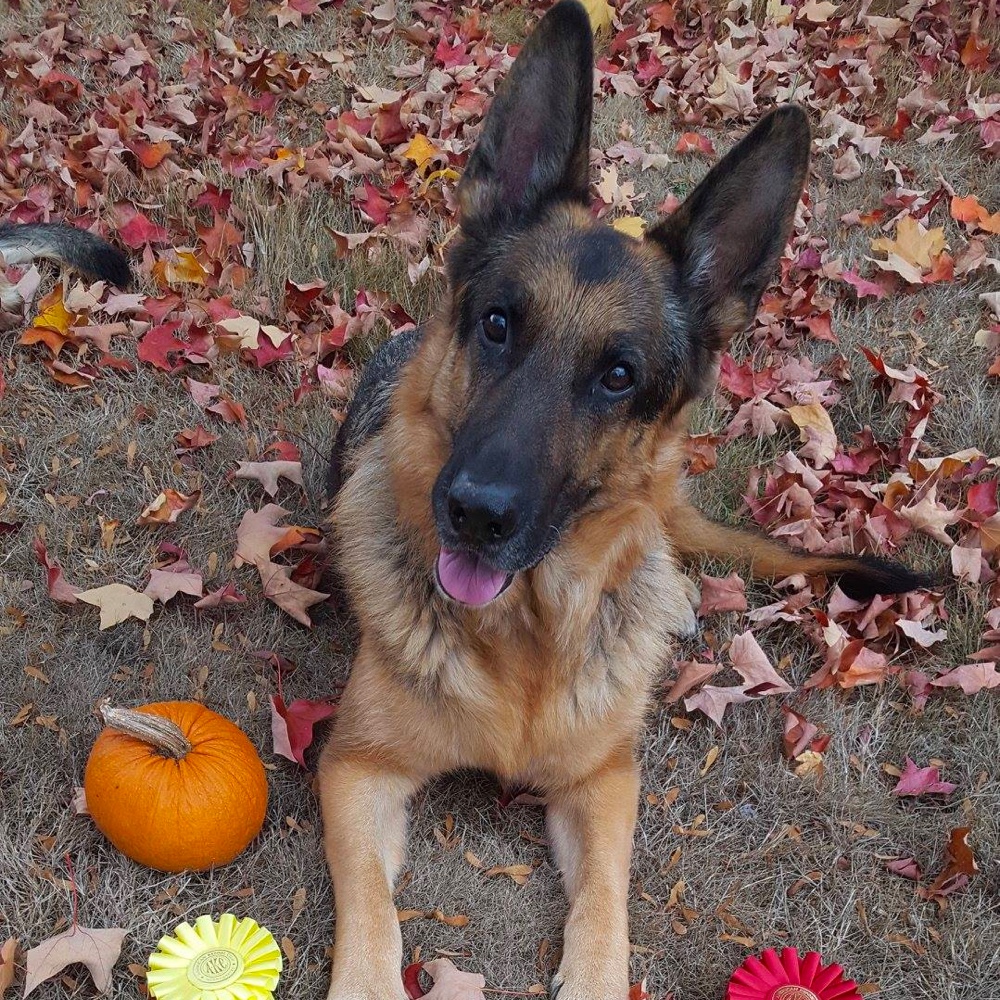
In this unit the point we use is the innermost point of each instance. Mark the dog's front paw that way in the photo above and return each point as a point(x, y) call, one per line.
point(685, 611)
point(567, 986)
point(366, 991)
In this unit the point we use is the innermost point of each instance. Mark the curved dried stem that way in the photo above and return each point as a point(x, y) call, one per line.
point(163, 735)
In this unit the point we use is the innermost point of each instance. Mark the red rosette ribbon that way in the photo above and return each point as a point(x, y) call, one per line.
point(789, 977)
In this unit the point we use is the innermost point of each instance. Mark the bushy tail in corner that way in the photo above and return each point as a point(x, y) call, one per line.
point(860, 577)
point(57, 241)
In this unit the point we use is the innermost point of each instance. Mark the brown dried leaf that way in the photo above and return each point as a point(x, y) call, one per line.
point(98, 949)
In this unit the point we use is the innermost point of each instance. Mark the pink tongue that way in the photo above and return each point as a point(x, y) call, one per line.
point(467, 579)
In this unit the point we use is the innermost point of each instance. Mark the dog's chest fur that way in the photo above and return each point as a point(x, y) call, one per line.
point(528, 688)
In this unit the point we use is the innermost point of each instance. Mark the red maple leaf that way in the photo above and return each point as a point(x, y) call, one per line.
point(292, 725)
point(159, 346)
point(140, 230)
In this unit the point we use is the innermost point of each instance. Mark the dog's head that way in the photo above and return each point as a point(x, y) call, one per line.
point(570, 341)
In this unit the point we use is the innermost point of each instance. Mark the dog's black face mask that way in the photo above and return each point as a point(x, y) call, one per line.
point(576, 338)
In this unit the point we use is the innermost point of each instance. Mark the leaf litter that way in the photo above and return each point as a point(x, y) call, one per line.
point(397, 151)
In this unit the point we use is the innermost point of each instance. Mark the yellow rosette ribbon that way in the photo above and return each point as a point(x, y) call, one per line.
point(227, 959)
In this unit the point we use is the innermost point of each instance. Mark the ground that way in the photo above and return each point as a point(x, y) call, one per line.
point(735, 851)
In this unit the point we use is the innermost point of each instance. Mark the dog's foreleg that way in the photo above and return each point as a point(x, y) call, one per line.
point(364, 834)
point(590, 827)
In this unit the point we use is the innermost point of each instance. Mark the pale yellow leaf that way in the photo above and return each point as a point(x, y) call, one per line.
point(815, 431)
point(600, 13)
point(630, 225)
point(117, 603)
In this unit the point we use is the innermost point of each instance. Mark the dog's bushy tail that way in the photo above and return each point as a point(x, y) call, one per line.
point(96, 258)
point(860, 577)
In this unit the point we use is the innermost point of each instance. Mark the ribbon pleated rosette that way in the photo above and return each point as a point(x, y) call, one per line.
point(790, 977)
point(227, 959)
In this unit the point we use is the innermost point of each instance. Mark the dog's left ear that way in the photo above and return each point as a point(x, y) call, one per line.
point(727, 236)
point(535, 143)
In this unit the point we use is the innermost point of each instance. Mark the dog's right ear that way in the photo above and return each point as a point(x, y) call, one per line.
point(535, 143)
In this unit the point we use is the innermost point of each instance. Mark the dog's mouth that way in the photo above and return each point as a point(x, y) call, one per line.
point(467, 579)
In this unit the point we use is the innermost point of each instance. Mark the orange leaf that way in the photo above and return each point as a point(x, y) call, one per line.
point(65, 375)
point(7, 952)
point(975, 53)
point(150, 154)
point(969, 211)
point(961, 864)
point(53, 340)
point(167, 507)
point(185, 270)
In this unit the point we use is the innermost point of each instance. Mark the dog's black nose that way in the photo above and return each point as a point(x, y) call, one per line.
point(482, 514)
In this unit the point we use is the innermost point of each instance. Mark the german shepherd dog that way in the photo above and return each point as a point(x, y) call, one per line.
point(510, 509)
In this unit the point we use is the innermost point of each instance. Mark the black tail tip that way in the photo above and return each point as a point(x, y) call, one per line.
point(871, 575)
point(112, 265)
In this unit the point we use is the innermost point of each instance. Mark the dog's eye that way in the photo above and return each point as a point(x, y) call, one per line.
point(618, 379)
point(494, 324)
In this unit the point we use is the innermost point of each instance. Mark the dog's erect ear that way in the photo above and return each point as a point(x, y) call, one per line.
point(727, 236)
point(535, 143)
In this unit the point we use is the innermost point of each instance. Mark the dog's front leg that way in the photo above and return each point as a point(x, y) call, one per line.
point(364, 821)
point(591, 824)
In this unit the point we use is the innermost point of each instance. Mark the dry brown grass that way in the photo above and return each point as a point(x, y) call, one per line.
point(767, 829)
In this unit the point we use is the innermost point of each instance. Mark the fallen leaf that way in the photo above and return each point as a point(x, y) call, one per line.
point(970, 677)
point(752, 664)
point(692, 673)
point(185, 269)
point(167, 507)
point(600, 13)
point(59, 589)
point(969, 210)
point(285, 592)
point(421, 151)
point(259, 536)
point(292, 726)
point(914, 251)
point(919, 634)
point(905, 868)
point(799, 733)
point(223, 597)
point(117, 603)
point(817, 11)
point(164, 586)
point(930, 517)
point(922, 781)
point(815, 431)
point(191, 439)
point(692, 142)
point(268, 473)
point(961, 865)
point(714, 701)
point(726, 593)
point(516, 873)
point(8, 950)
point(630, 225)
point(98, 949)
point(809, 762)
point(450, 983)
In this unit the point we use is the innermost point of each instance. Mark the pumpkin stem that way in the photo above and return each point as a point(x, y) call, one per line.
point(162, 734)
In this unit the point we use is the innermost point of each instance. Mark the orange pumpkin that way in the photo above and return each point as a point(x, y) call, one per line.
point(175, 786)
